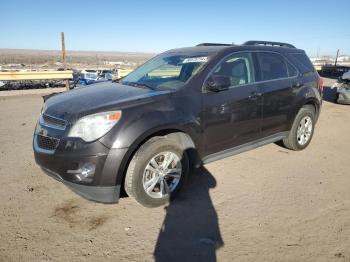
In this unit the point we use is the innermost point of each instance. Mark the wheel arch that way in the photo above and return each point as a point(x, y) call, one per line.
point(311, 101)
point(179, 135)
point(315, 104)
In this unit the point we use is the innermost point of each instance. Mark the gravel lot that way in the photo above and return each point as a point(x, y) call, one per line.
point(269, 204)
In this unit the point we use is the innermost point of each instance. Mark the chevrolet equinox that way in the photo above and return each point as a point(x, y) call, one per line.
point(182, 108)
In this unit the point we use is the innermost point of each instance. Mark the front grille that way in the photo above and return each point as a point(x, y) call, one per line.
point(47, 143)
point(53, 121)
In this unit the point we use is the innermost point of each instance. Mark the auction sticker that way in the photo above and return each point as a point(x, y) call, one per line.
point(201, 59)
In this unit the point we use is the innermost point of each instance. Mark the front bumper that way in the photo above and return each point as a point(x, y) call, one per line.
point(70, 155)
point(103, 194)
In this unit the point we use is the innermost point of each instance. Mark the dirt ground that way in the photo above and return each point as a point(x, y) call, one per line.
point(269, 204)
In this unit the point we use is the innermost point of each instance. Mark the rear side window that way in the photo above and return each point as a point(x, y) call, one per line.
point(272, 66)
point(303, 62)
point(292, 71)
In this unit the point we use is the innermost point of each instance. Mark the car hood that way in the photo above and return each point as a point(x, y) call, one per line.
point(95, 98)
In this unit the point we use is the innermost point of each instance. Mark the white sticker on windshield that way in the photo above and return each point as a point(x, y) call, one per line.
point(201, 59)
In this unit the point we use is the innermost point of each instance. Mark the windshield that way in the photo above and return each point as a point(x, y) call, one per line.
point(166, 71)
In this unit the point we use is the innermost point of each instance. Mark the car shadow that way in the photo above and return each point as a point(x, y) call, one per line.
point(190, 231)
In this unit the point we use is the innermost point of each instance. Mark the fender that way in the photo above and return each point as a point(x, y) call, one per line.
point(168, 116)
point(141, 135)
point(312, 96)
point(309, 95)
point(177, 111)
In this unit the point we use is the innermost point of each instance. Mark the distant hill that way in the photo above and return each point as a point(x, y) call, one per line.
point(31, 56)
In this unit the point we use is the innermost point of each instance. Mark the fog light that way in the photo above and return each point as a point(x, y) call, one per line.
point(85, 173)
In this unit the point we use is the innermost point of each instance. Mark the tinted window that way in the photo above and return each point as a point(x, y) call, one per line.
point(303, 62)
point(166, 71)
point(169, 70)
point(291, 70)
point(238, 67)
point(272, 66)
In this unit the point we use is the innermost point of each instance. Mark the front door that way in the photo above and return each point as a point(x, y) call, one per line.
point(232, 117)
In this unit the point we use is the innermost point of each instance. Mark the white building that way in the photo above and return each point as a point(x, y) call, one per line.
point(114, 63)
point(344, 58)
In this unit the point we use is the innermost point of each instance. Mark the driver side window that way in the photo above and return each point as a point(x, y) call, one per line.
point(238, 67)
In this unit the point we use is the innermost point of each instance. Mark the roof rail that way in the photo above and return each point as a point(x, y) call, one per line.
point(213, 44)
point(256, 42)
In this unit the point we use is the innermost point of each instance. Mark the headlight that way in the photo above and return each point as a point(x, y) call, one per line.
point(94, 126)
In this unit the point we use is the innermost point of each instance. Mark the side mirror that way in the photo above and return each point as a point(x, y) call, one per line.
point(217, 83)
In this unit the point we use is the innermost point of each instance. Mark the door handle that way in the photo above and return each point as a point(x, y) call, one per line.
point(297, 85)
point(254, 95)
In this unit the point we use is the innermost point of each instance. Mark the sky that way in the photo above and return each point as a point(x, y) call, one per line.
point(318, 27)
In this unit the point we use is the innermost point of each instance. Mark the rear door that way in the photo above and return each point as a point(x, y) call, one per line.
point(278, 78)
point(232, 117)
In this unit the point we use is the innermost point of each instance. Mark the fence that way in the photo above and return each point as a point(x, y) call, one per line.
point(35, 75)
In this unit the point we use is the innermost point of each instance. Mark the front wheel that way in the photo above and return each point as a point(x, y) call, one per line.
point(156, 172)
point(302, 130)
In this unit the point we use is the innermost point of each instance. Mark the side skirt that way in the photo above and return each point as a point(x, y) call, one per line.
point(245, 147)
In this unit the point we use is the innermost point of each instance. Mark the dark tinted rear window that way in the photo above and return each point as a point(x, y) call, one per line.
point(302, 62)
point(272, 66)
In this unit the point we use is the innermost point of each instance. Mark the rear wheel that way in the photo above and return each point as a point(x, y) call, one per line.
point(302, 130)
point(156, 172)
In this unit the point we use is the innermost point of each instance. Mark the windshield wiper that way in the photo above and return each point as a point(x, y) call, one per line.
point(137, 84)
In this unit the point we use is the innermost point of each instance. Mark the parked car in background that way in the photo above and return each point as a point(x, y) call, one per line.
point(107, 74)
point(343, 89)
point(183, 108)
point(90, 78)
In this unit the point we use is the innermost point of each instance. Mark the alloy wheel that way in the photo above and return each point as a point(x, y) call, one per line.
point(162, 174)
point(304, 130)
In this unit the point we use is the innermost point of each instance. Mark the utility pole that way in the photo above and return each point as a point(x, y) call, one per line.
point(97, 62)
point(336, 58)
point(64, 58)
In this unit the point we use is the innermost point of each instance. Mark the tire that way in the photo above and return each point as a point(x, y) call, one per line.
point(139, 174)
point(292, 141)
